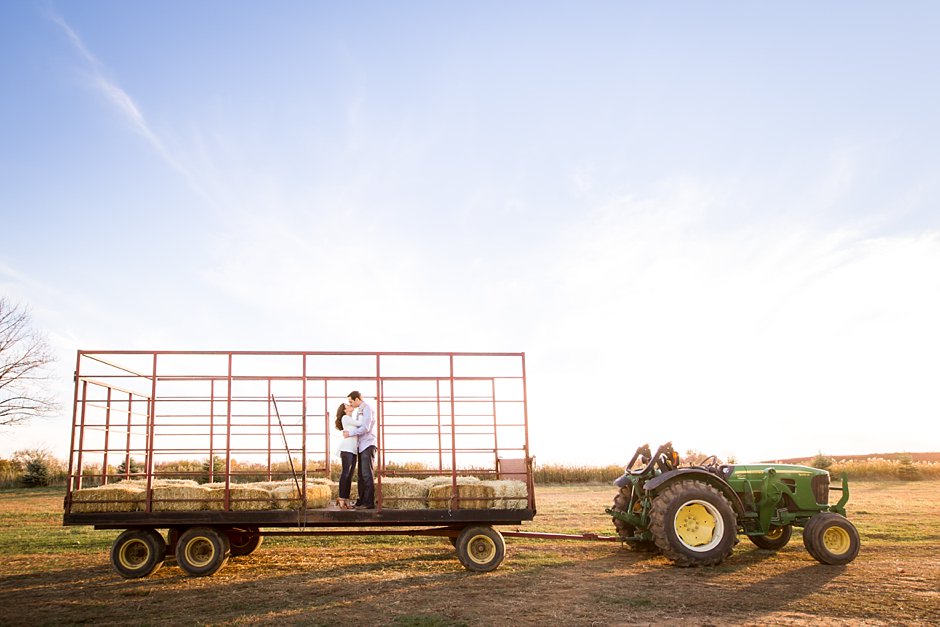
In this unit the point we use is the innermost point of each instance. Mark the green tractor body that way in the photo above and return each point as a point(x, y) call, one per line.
point(694, 514)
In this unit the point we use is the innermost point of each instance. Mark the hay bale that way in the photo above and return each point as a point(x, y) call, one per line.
point(404, 493)
point(288, 496)
point(447, 479)
point(179, 497)
point(107, 498)
point(242, 497)
point(142, 483)
point(509, 494)
point(473, 494)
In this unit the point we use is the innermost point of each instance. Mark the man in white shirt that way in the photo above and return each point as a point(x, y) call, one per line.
point(367, 448)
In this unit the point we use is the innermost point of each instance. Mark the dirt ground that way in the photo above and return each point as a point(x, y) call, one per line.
point(393, 580)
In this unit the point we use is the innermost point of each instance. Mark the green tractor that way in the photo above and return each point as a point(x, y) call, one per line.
point(693, 514)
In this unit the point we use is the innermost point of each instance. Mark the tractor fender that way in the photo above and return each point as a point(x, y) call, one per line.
point(701, 475)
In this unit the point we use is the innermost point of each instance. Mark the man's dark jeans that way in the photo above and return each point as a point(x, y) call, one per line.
point(366, 478)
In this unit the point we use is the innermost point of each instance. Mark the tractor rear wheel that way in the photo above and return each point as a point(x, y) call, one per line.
point(831, 539)
point(693, 524)
point(625, 530)
point(776, 538)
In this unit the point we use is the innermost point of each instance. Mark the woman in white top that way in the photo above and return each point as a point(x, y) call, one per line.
point(348, 452)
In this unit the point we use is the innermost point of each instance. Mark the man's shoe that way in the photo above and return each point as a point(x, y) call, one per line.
point(365, 506)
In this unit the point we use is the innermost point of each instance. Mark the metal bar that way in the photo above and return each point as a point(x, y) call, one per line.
point(495, 427)
point(151, 428)
point(111, 386)
point(560, 536)
point(270, 397)
point(81, 436)
point(69, 487)
point(455, 501)
point(127, 455)
point(107, 433)
point(211, 430)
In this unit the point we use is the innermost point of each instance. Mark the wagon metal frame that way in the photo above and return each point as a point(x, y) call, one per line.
point(252, 414)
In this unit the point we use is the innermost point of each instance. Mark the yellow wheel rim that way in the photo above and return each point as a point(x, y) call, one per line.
point(199, 552)
point(699, 526)
point(775, 533)
point(133, 554)
point(836, 540)
point(481, 549)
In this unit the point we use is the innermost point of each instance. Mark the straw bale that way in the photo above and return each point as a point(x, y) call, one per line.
point(472, 494)
point(404, 493)
point(176, 497)
point(242, 497)
point(288, 496)
point(142, 483)
point(447, 479)
point(509, 494)
point(107, 498)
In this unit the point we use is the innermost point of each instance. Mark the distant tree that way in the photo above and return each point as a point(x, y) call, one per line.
point(907, 471)
point(217, 466)
point(40, 468)
point(135, 467)
point(24, 358)
point(823, 462)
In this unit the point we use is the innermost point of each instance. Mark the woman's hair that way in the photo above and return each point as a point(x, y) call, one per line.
point(340, 412)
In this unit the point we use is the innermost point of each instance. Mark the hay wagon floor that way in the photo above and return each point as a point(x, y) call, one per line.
point(328, 517)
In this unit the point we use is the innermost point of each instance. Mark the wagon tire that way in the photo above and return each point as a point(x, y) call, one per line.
point(480, 549)
point(243, 540)
point(831, 539)
point(202, 551)
point(693, 524)
point(138, 553)
point(776, 538)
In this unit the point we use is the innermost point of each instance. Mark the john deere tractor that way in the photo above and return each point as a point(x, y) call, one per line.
point(693, 514)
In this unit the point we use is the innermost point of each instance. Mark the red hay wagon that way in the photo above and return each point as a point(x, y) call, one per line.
point(219, 449)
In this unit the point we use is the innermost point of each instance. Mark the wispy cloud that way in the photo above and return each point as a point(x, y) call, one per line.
point(123, 104)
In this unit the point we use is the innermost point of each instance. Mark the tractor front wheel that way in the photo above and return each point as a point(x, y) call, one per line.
point(693, 524)
point(776, 538)
point(831, 539)
point(625, 530)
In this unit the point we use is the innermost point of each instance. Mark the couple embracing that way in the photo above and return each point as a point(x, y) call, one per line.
point(357, 422)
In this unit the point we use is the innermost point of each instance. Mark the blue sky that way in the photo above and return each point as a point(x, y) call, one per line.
point(715, 223)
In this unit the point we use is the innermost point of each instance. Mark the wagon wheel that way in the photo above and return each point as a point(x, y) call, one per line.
point(775, 539)
point(480, 549)
point(625, 530)
point(243, 540)
point(138, 553)
point(693, 524)
point(202, 551)
point(831, 539)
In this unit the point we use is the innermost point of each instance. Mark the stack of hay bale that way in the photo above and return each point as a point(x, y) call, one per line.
point(173, 495)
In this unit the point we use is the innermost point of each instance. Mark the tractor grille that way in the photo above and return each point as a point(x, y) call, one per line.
point(821, 488)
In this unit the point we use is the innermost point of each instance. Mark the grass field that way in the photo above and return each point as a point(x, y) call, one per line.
point(51, 574)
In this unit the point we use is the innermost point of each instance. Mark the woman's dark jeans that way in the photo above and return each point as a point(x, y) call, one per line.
point(349, 469)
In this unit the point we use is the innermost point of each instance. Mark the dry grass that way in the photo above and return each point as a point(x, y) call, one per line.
point(50, 574)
